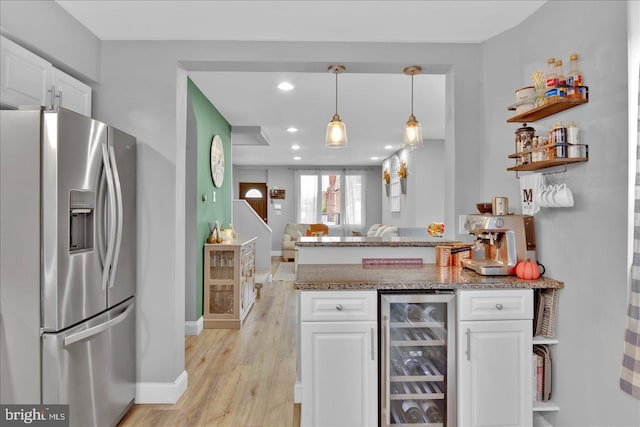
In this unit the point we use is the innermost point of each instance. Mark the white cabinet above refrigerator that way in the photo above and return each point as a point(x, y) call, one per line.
point(29, 80)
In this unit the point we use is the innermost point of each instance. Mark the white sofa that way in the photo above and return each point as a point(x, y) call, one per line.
point(381, 230)
point(292, 232)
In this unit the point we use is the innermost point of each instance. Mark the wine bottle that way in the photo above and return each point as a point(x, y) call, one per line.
point(413, 313)
point(412, 412)
point(397, 367)
point(431, 411)
point(397, 314)
point(432, 313)
point(413, 367)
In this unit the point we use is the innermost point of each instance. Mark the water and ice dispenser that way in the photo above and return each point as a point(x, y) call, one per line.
point(81, 218)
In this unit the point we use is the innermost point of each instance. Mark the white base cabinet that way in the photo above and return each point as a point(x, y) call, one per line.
point(339, 369)
point(494, 358)
point(28, 80)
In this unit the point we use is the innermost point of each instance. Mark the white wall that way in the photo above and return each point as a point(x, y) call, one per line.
point(584, 246)
point(191, 216)
point(49, 31)
point(247, 223)
point(424, 202)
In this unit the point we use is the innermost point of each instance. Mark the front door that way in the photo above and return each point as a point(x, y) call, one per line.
point(255, 193)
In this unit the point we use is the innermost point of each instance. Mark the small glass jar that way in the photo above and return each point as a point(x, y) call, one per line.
point(524, 139)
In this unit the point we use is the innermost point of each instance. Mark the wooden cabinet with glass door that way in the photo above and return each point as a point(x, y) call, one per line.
point(229, 282)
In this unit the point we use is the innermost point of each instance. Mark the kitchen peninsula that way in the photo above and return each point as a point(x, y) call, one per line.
point(424, 277)
point(351, 250)
point(349, 347)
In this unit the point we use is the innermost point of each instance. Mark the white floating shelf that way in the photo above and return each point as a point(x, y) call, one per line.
point(546, 406)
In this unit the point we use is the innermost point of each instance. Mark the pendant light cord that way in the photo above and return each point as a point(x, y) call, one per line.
point(412, 73)
point(336, 71)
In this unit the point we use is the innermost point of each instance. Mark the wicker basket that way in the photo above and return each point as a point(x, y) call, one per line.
point(546, 312)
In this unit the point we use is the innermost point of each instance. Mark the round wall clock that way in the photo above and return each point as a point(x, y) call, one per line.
point(217, 161)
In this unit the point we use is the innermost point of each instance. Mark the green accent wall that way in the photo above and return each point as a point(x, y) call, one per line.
point(209, 123)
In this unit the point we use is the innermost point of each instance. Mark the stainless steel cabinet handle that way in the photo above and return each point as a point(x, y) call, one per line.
point(468, 352)
point(339, 307)
point(385, 368)
point(373, 356)
point(51, 93)
point(499, 306)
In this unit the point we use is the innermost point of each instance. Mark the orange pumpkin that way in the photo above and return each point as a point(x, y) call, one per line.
point(527, 270)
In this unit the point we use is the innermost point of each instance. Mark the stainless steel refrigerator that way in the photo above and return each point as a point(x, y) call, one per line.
point(67, 264)
point(417, 359)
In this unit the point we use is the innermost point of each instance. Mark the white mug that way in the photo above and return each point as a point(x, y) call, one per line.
point(562, 196)
point(540, 196)
point(548, 196)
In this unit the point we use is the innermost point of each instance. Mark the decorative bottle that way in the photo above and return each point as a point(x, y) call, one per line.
point(562, 81)
point(551, 77)
point(574, 78)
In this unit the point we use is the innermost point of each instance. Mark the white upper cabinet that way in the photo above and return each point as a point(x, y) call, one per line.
point(27, 80)
point(25, 76)
point(71, 93)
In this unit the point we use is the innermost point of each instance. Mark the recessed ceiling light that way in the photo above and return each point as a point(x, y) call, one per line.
point(388, 147)
point(374, 158)
point(292, 130)
point(295, 147)
point(297, 158)
point(285, 86)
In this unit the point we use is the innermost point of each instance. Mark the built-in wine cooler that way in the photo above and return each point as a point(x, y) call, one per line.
point(417, 359)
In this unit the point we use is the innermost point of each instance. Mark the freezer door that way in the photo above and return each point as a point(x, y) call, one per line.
point(122, 159)
point(91, 367)
point(71, 270)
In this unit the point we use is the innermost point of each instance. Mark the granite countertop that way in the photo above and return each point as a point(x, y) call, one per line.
point(426, 276)
point(362, 241)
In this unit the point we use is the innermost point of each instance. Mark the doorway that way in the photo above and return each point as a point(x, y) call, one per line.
point(255, 193)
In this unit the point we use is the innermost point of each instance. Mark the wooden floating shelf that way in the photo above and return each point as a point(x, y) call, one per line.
point(548, 164)
point(551, 107)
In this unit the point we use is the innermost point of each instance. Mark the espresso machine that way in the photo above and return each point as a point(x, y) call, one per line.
point(503, 239)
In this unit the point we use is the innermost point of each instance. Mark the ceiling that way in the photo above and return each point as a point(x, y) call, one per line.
point(252, 98)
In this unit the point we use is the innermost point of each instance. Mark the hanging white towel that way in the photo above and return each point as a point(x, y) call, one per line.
point(529, 187)
point(630, 370)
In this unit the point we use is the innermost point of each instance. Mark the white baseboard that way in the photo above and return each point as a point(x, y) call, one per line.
point(297, 392)
point(162, 392)
point(194, 328)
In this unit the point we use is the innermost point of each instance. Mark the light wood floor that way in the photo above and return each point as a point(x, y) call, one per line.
point(238, 377)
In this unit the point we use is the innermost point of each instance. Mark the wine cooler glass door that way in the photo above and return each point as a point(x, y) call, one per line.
point(418, 356)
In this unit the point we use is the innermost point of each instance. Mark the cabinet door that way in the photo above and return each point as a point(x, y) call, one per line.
point(25, 77)
point(339, 374)
point(494, 367)
point(71, 93)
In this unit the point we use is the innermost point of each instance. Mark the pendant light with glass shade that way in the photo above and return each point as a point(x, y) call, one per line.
point(336, 130)
point(412, 129)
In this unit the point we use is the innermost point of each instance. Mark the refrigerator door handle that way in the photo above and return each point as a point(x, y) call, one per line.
point(112, 215)
point(118, 228)
point(95, 330)
point(100, 226)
